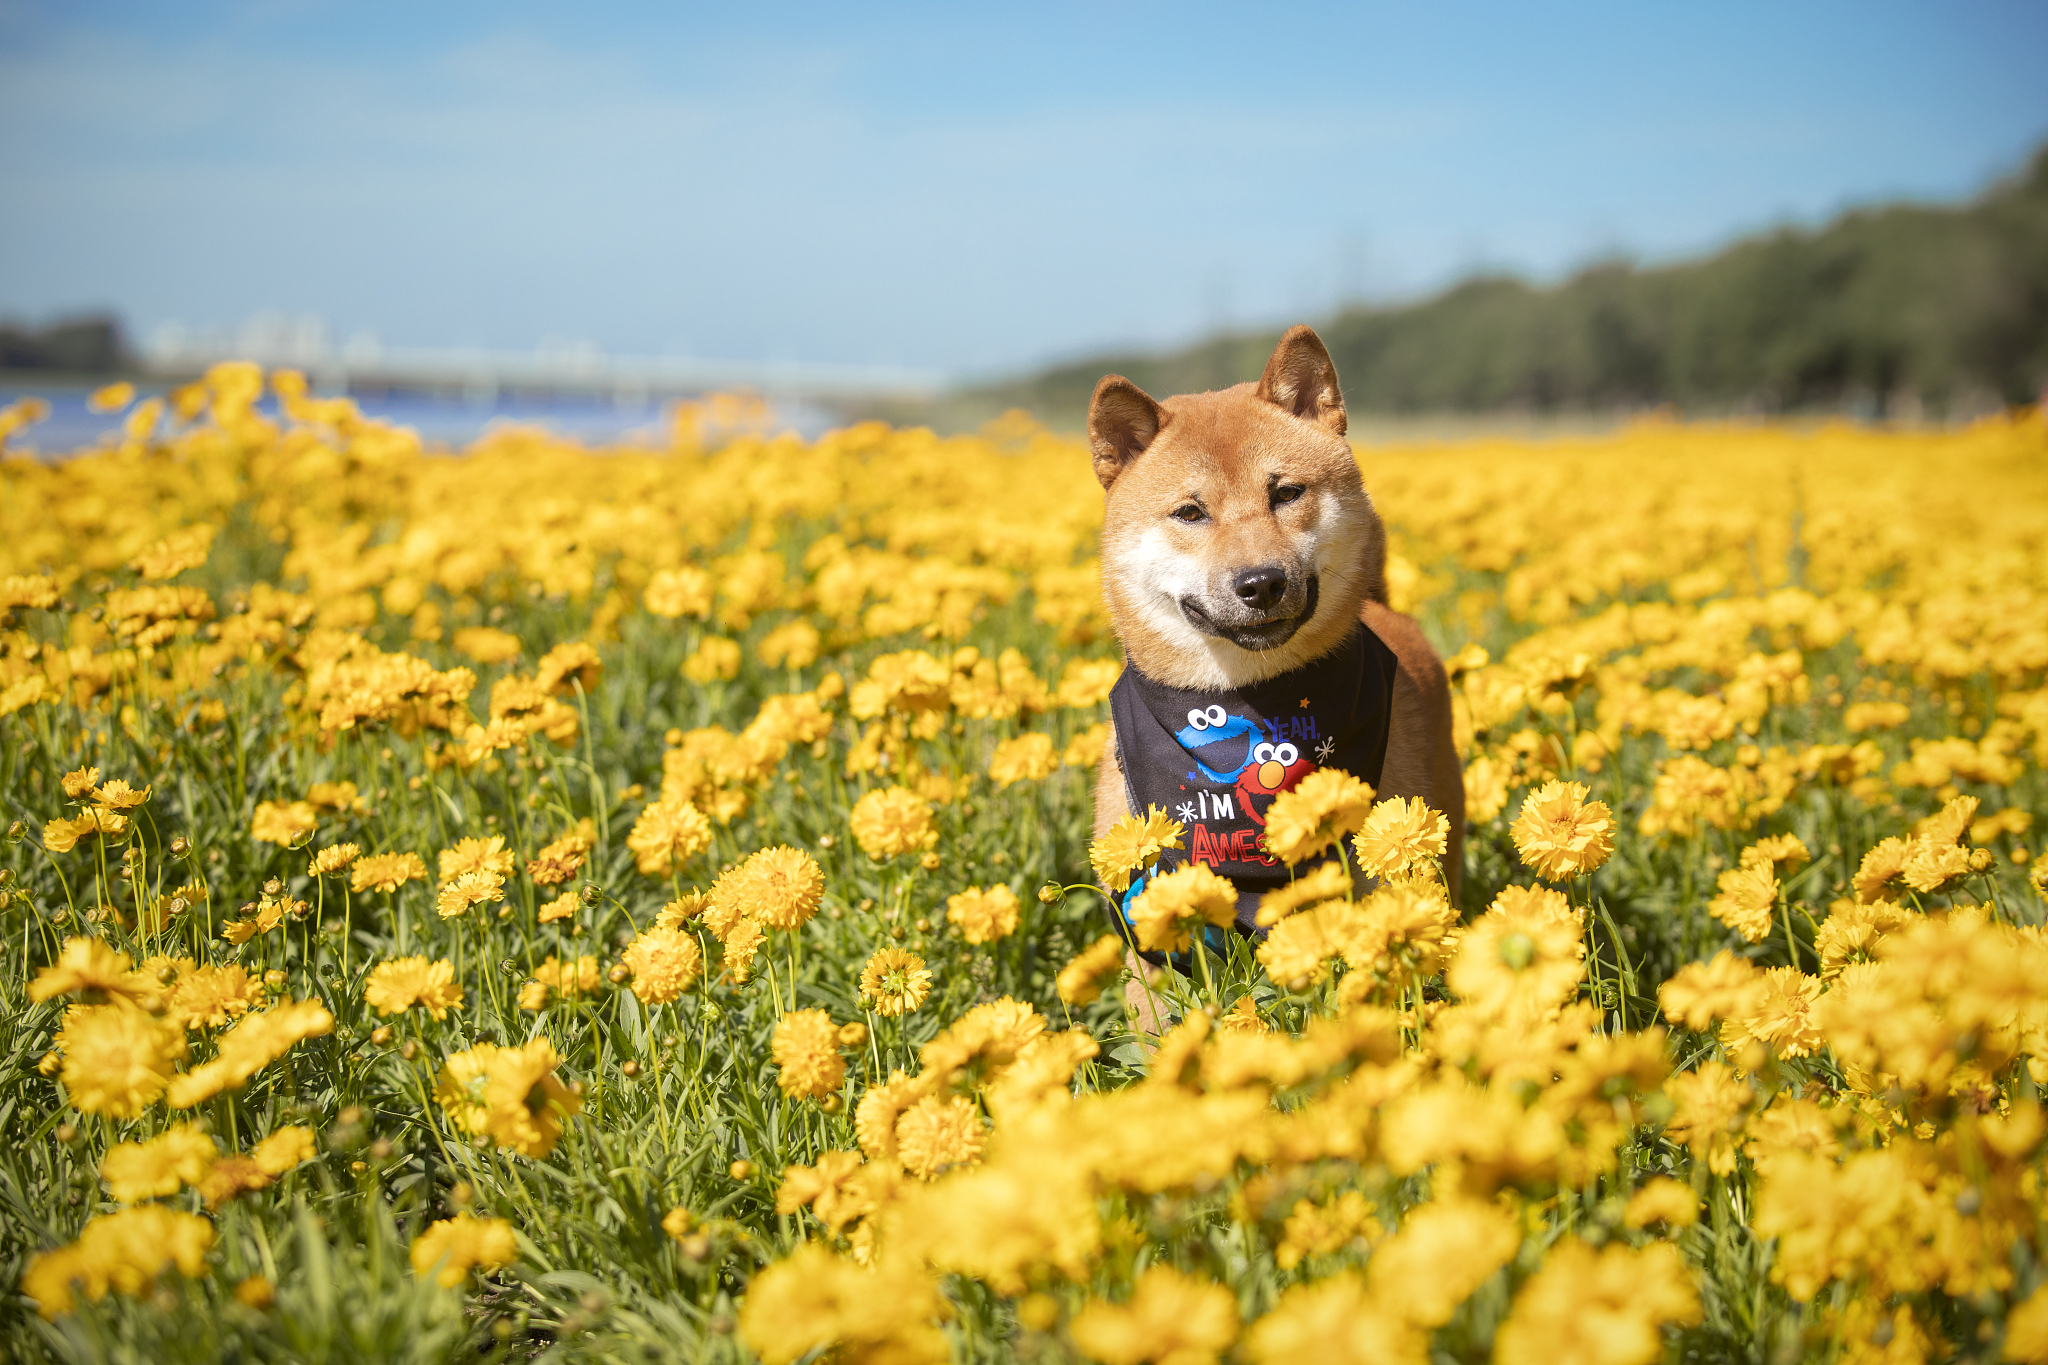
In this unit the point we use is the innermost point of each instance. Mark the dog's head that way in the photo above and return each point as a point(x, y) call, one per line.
point(1237, 539)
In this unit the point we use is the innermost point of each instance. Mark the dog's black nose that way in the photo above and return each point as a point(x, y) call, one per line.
point(1260, 588)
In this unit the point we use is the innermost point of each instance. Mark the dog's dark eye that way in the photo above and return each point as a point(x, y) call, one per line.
point(1190, 512)
point(1287, 492)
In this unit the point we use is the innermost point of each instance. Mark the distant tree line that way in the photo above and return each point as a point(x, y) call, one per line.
point(1905, 310)
point(86, 346)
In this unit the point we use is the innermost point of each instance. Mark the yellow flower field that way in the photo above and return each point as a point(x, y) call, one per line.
point(638, 904)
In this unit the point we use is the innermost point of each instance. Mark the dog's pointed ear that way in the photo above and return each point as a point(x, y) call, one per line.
point(1301, 378)
point(1122, 420)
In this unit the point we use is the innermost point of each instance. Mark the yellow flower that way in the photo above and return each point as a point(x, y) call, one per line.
point(1712, 1103)
point(111, 397)
point(285, 1148)
point(983, 1041)
point(1662, 1200)
point(1852, 932)
point(1606, 1307)
point(403, 982)
point(487, 644)
point(80, 781)
point(1314, 813)
point(793, 644)
point(1702, 992)
point(1243, 1017)
point(122, 1251)
point(1522, 958)
point(1486, 787)
point(1027, 758)
point(525, 1101)
point(1933, 865)
point(778, 886)
point(1131, 845)
point(560, 908)
point(210, 997)
point(805, 1046)
point(678, 592)
point(179, 1156)
point(568, 666)
point(1172, 904)
point(117, 1059)
point(1443, 1252)
point(61, 836)
point(1880, 867)
point(742, 942)
point(232, 1176)
point(183, 549)
point(1780, 1016)
point(1336, 1321)
point(568, 979)
point(477, 855)
point(96, 974)
point(831, 1189)
point(880, 1313)
point(477, 887)
point(559, 861)
point(716, 659)
point(332, 859)
point(983, 916)
point(934, 1135)
point(1560, 834)
point(117, 795)
point(1401, 837)
point(2026, 1329)
point(895, 981)
point(1748, 899)
point(874, 1118)
point(1086, 748)
point(1171, 1319)
point(452, 1248)
point(1787, 849)
point(1081, 980)
point(664, 964)
point(254, 1043)
point(1314, 1229)
point(386, 871)
point(1298, 951)
point(510, 1094)
point(667, 835)
point(891, 821)
point(338, 796)
point(1326, 881)
point(283, 823)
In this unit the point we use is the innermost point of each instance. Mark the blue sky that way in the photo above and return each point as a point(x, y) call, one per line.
point(959, 188)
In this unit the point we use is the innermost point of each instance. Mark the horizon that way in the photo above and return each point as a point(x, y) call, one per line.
point(969, 196)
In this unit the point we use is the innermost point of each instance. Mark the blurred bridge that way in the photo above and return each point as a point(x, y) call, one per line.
point(364, 367)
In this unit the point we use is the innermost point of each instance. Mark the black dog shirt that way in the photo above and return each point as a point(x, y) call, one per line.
point(1215, 760)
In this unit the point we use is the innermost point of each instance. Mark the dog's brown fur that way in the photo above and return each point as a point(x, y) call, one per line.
point(1233, 456)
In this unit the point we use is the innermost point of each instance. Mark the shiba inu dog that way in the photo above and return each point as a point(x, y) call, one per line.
point(1244, 569)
